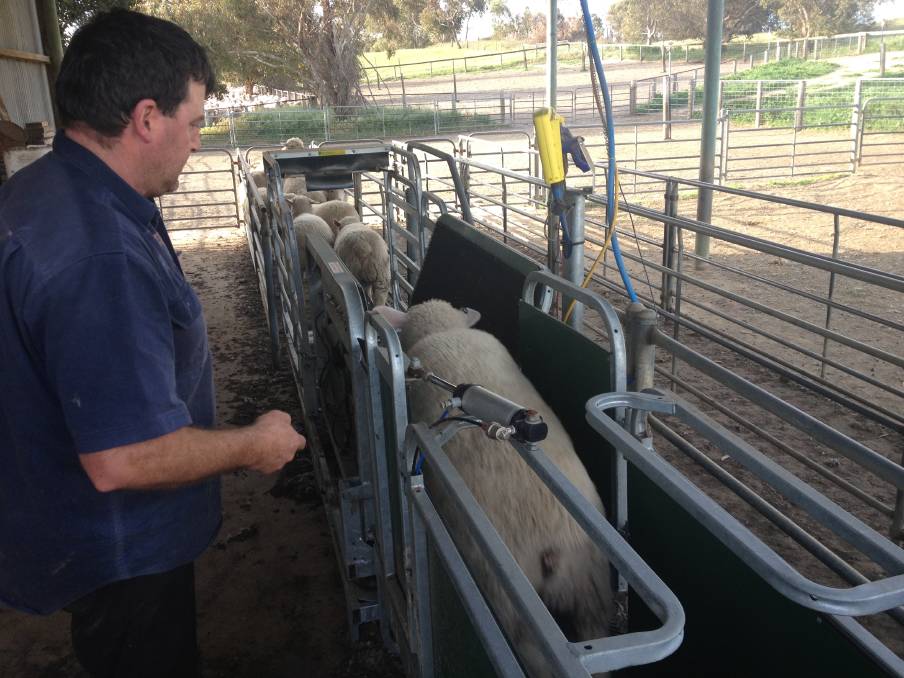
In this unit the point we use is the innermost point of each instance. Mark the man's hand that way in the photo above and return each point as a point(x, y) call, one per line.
point(188, 455)
point(276, 442)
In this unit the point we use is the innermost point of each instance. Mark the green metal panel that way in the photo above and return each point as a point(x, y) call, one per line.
point(736, 623)
point(468, 268)
point(457, 651)
point(567, 369)
point(394, 477)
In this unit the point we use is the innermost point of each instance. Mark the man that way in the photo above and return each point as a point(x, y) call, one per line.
point(109, 464)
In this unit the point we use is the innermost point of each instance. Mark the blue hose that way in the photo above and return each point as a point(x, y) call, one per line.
point(610, 148)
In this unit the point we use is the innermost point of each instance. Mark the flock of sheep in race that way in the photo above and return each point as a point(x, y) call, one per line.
point(326, 213)
point(567, 570)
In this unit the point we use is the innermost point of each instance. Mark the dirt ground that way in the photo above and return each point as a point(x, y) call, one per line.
point(270, 601)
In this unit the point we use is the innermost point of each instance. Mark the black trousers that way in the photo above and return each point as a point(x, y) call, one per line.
point(139, 628)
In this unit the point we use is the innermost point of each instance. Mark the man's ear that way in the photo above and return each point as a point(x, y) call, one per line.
point(143, 119)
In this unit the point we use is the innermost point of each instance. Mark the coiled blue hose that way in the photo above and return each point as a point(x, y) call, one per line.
point(610, 148)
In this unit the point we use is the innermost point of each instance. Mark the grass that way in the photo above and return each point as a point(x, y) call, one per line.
point(271, 126)
point(786, 69)
point(479, 55)
point(440, 51)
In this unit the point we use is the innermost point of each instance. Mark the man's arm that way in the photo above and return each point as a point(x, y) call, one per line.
point(188, 455)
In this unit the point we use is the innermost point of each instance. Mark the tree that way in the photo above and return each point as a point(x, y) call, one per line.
point(599, 29)
point(503, 22)
point(314, 43)
point(396, 24)
point(239, 38)
point(571, 28)
point(74, 13)
point(327, 37)
point(805, 18)
point(444, 19)
point(642, 19)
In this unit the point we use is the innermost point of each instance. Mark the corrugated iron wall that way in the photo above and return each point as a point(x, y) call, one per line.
point(23, 84)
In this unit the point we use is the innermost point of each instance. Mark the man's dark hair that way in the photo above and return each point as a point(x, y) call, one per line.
point(121, 57)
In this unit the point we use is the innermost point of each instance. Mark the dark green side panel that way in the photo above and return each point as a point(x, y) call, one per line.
point(468, 268)
point(394, 475)
point(457, 651)
point(567, 369)
point(737, 625)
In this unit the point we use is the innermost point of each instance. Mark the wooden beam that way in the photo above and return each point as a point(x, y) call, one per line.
point(23, 56)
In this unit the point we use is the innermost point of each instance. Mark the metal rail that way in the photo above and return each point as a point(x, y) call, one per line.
point(865, 598)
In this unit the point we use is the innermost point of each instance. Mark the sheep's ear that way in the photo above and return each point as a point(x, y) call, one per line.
point(393, 316)
point(472, 317)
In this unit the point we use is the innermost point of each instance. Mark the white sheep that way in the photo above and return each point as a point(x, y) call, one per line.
point(317, 196)
point(334, 210)
point(364, 253)
point(295, 184)
point(299, 203)
point(310, 223)
point(567, 570)
point(335, 194)
point(293, 143)
point(259, 177)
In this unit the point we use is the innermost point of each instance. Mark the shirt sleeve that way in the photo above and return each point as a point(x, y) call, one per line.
point(104, 331)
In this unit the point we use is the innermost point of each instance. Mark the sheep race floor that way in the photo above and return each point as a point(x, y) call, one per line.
point(270, 600)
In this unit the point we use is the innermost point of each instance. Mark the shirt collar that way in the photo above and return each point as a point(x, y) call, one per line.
point(142, 209)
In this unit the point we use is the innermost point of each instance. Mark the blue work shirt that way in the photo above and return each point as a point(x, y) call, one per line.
point(102, 344)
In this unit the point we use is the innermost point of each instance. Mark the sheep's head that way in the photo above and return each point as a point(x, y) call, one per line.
point(428, 318)
point(350, 219)
point(300, 204)
point(293, 143)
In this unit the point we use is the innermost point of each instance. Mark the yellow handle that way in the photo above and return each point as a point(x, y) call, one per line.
point(549, 142)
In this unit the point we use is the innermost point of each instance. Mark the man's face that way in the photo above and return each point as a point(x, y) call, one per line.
point(181, 135)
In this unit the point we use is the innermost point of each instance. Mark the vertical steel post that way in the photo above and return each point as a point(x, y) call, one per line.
point(836, 237)
point(573, 267)
point(758, 105)
point(691, 95)
point(801, 100)
point(857, 121)
point(666, 108)
point(712, 60)
point(551, 26)
point(669, 247)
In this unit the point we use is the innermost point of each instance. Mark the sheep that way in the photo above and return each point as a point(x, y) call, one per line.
point(350, 219)
point(259, 177)
point(364, 253)
point(293, 143)
point(317, 196)
point(299, 203)
point(335, 194)
point(296, 184)
point(332, 211)
point(310, 223)
point(569, 573)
